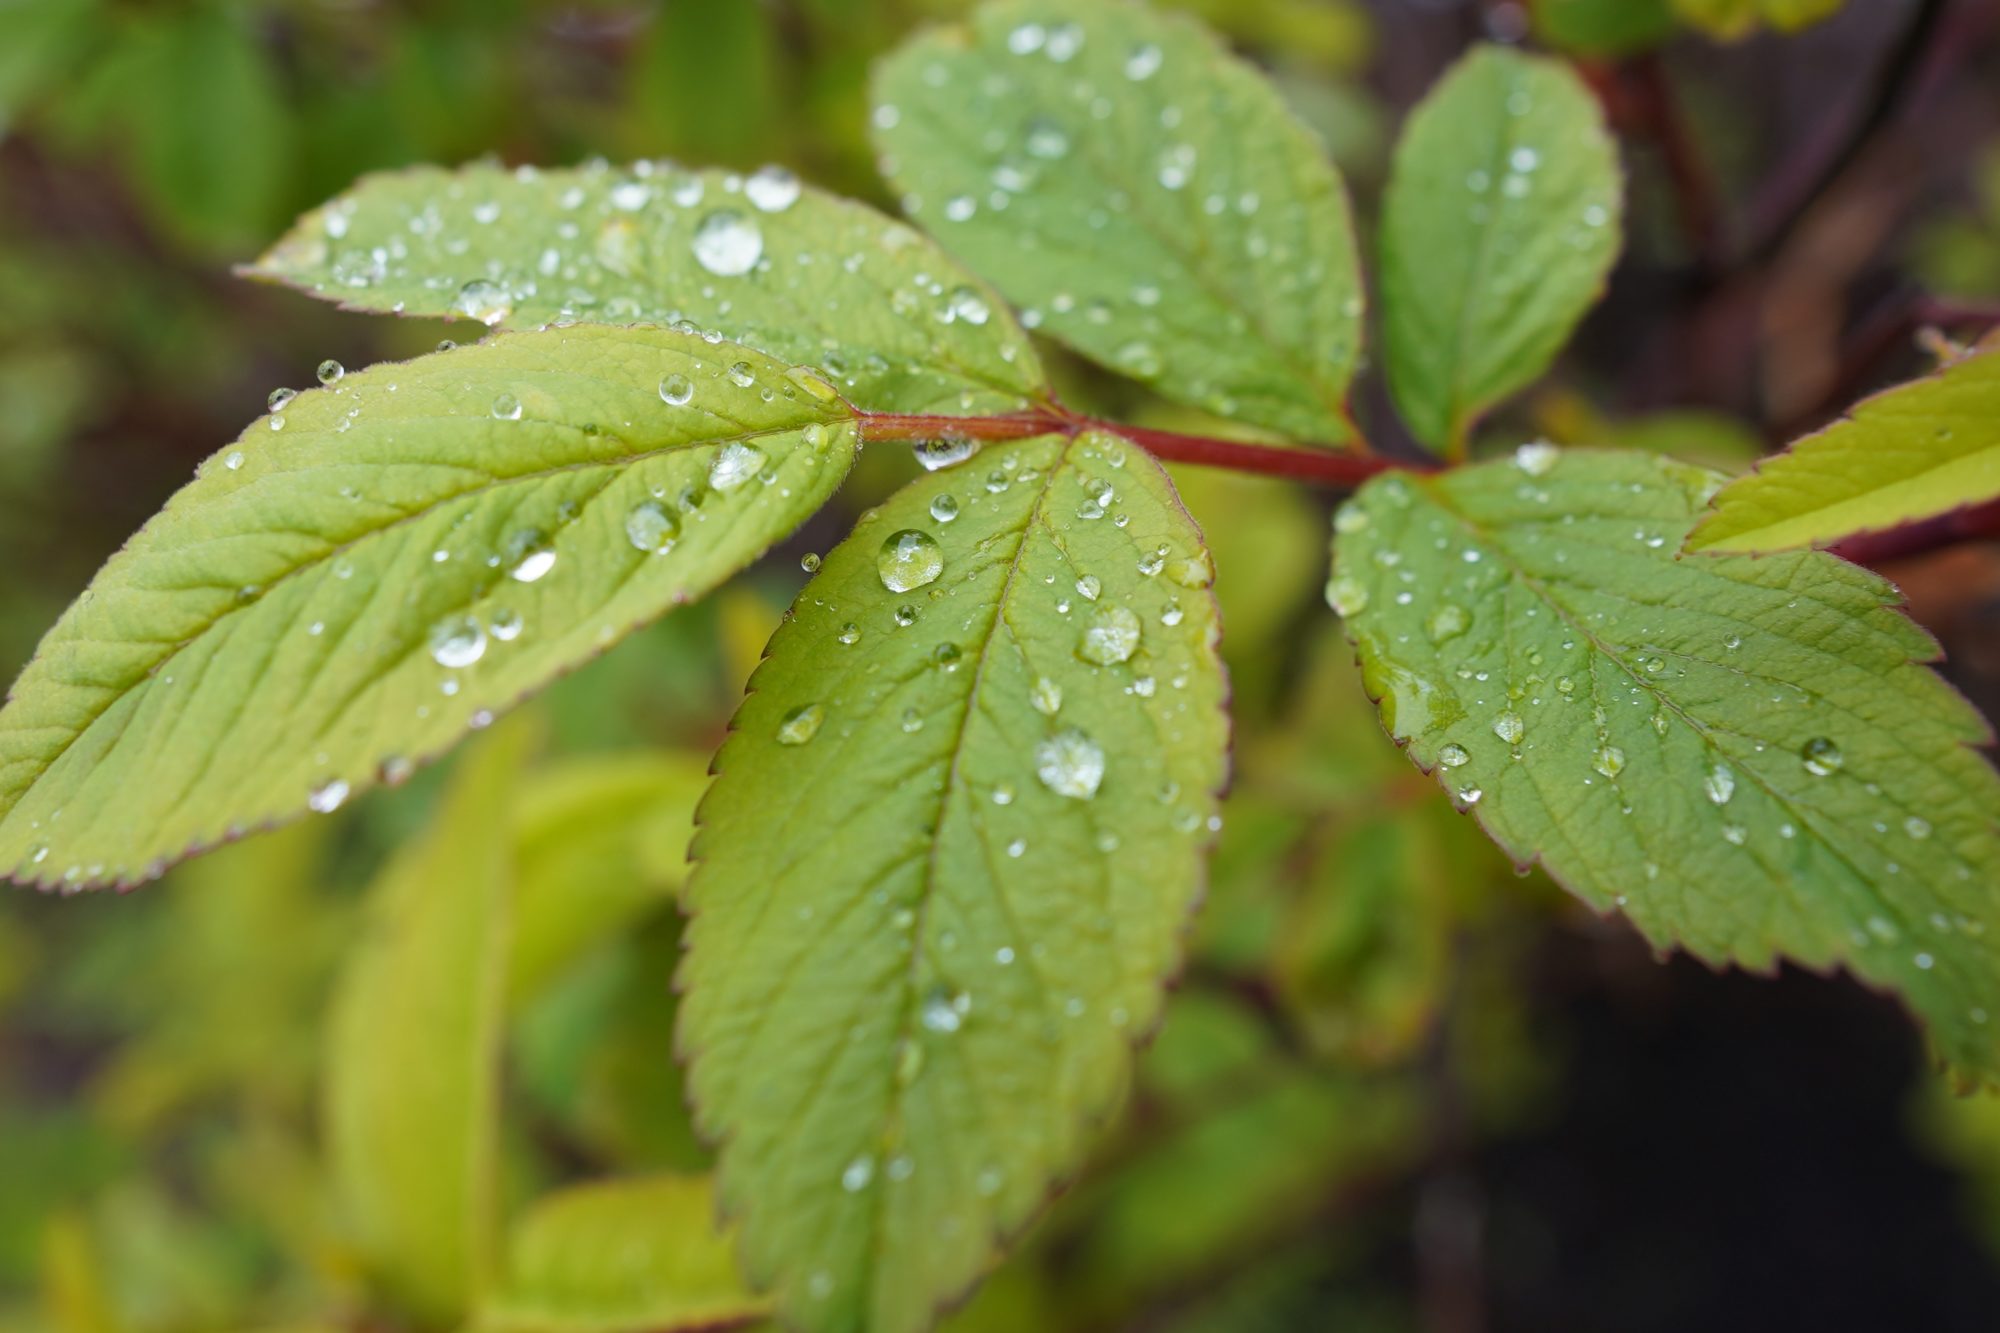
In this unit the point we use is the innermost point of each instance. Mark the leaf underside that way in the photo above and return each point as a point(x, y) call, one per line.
point(1740, 754)
point(1148, 197)
point(944, 871)
point(805, 276)
point(1500, 224)
point(1914, 452)
point(417, 548)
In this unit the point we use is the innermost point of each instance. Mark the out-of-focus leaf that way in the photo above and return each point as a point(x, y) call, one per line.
point(807, 277)
point(626, 1256)
point(1744, 755)
point(1603, 27)
point(386, 562)
point(706, 79)
point(1917, 451)
point(412, 1059)
point(587, 828)
point(945, 867)
point(209, 125)
point(1501, 221)
point(1147, 197)
point(1731, 19)
point(37, 38)
point(74, 1294)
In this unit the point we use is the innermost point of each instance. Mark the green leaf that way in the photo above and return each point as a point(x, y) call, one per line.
point(945, 869)
point(1603, 27)
point(1500, 223)
point(1741, 754)
point(1731, 19)
point(805, 276)
point(626, 1256)
point(413, 1042)
point(329, 602)
point(587, 827)
point(1145, 195)
point(38, 38)
point(1914, 452)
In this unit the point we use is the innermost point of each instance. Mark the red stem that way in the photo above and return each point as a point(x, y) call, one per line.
point(1345, 470)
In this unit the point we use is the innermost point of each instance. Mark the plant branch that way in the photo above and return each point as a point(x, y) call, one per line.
point(1874, 549)
point(1894, 325)
point(1796, 188)
point(1649, 104)
point(1326, 467)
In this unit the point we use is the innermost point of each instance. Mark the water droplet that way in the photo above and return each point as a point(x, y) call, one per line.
point(1195, 571)
point(801, 724)
point(652, 527)
point(487, 302)
point(327, 796)
point(457, 641)
point(1609, 760)
point(279, 398)
point(506, 407)
point(944, 508)
point(1446, 622)
point(506, 625)
point(330, 371)
point(1346, 595)
point(1821, 757)
point(1735, 834)
point(944, 451)
point(1088, 587)
point(849, 633)
point(1917, 827)
point(960, 208)
point(1720, 784)
point(1536, 458)
point(234, 460)
point(1071, 764)
point(906, 615)
point(909, 559)
point(1143, 63)
point(1047, 140)
point(1509, 727)
point(1176, 166)
point(1046, 696)
point(857, 1175)
point(528, 555)
point(946, 655)
point(1454, 755)
point(772, 189)
point(676, 390)
point(809, 562)
point(728, 244)
point(967, 305)
point(945, 1012)
point(1111, 637)
point(735, 463)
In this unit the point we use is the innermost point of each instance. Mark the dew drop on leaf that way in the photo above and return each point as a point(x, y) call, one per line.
point(676, 390)
point(487, 302)
point(1454, 755)
point(772, 189)
point(1111, 636)
point(457, 641)
point(1509, 727)
point(944, 508)
point(801, 724)
point(506, 407)
point(329, 372)
point(1821, 757)
point(944, 451)
point(652, 527)
point(327, 797)
point(1070, 764)
point(728, 244)
point(735, 464)
point(909, 559)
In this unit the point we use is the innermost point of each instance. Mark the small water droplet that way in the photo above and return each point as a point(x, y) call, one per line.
point(1454, 755)
point(330, 371)
point(772, 189)
point(735, 463)
point(857, 1175)
point(944, 451)
point(801, 724)
point(1720, 784)
point(676, 390)
point(849, 633)
point(487, 302)
point(528, 555)
point(944, 508)
point(1609, 760)
point(506, 407)
point(1821, 757)
point(1046, 696)
point(809, 562)
point(1509, 727)
point(327, 797)
point(279, 398)
point(1537, 458)
point(457, 641)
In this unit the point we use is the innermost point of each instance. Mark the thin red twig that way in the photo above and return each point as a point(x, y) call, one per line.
point(1326, 467)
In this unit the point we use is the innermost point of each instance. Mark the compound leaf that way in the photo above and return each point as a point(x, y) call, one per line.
point(1913, 452)
point(1500, 223)
point(810, 278)
point(385, 563)
point(945, 868)
point(1146, 196)
point(1743, 755)
point(623, 1256)
point(413, 1043)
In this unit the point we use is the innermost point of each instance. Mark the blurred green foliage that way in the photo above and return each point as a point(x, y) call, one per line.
point(166, 1058)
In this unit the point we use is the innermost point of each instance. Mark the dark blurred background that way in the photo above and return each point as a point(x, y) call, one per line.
point(1401, 1088)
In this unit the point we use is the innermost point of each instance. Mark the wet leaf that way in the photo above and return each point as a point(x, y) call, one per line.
point(945, 870)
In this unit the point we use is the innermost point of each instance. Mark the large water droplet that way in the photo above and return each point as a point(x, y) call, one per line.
point(944, 451)
point(735, 464)
point(909, 559)
point(1509, 727)
point(801, 724)
point(772, 189)
point(1454, 755)
point(1347, 596)
point(727, 243)
point(330, 371)
point(652, 527)
point(1070, 764)
point(1111, 636)
point(457, 641)
point(676, 390)
point(528, 555)
point(487, 302)
point(944, 507)
point(506, 407)
point(1609, 760)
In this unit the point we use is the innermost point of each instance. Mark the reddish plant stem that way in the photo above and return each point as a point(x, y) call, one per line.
point(1326, 467)
point(1874, 549)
